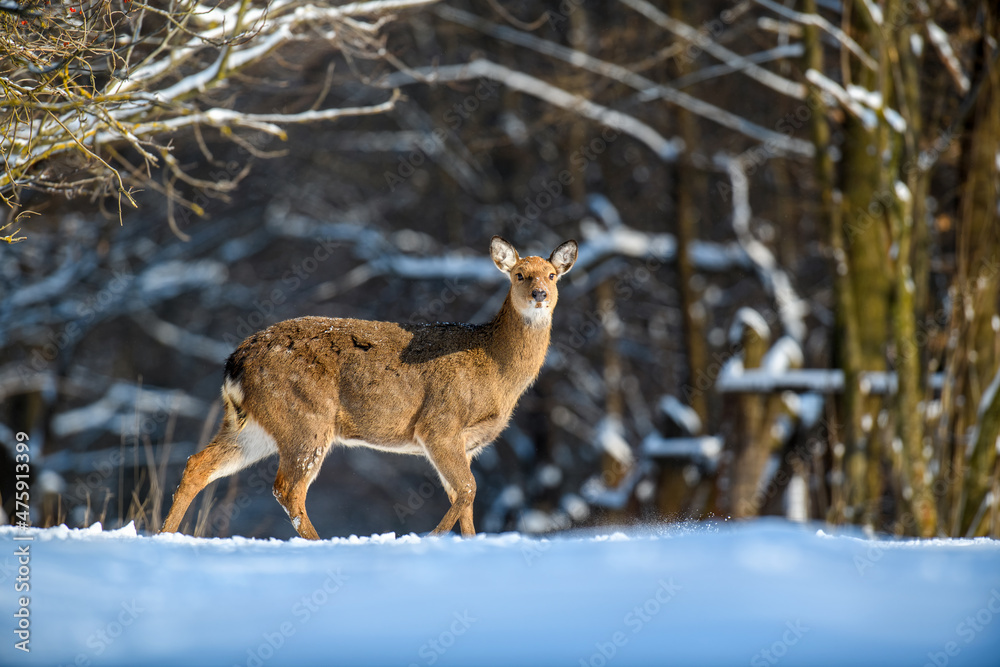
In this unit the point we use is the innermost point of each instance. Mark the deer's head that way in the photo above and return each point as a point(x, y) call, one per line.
point(533, 291)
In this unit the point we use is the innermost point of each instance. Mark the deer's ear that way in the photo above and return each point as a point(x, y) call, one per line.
point(503, 254)
point(564, 257)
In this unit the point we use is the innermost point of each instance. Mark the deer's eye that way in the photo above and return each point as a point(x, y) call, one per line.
point(520, 277)
point(552, 276)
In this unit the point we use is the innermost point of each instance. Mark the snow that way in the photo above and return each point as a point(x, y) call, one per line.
point(604, 209)
point(706, 448)
point(610, 437)
point(116, 410)
point(682, 415)
point(984, 404)
point(874, 11)
point(748, 318)
point(685, 594)
point(784, 355)
point(847, 100)
point(895, 119)
point(870, 98)
point(939, 38)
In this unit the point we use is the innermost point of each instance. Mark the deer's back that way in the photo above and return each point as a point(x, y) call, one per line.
point(382, 384)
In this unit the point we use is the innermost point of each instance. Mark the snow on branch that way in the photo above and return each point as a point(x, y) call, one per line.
point(795, 50)
point(599, 243)
point(121, 408)
point(147, 85)
point(865, 105)
point(706, 448)
point(736, 61)
point(939, 38)
point(867, 117)
point(179, 338)
point(648, 89)
point(682, 415)
point(825, 26)
point(735, 379)
point(666, 149)
point(82, 463)
point(269, 123)
point(791, 308)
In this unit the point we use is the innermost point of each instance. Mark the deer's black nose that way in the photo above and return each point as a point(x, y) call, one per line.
point(539, 294)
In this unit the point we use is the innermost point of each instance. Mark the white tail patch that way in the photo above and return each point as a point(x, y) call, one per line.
point(232, 391)
point(254, 444)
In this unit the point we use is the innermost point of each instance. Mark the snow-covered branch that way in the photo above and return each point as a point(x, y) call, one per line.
point(648, 89)
point(123, 407)
point(939, 38)
point(665, 149)
point(791, 308)
point(152, 92)
point(773, 81)
point(825, 26)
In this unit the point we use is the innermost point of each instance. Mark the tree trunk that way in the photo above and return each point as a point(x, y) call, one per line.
point(980, 238)
point(753, 445)
point(844, 433)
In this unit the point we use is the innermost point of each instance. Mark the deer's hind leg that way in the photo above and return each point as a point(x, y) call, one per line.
point(232, 449)
point(201, 469)
point(297, 469)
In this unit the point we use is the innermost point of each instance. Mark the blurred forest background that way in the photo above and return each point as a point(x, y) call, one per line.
point(786, 301)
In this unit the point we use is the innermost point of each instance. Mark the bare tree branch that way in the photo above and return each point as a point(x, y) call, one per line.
point(666, 149)
point(649, 89)
point(686, 32)
point(791, 308)
point(825, 26)
point(126, 77)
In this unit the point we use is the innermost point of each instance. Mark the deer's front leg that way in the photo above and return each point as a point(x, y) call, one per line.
point(453, 467)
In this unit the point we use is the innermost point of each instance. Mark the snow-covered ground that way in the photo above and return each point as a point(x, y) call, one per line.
point(760, 593)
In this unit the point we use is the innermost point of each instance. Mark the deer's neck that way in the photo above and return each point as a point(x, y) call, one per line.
point(517, 345)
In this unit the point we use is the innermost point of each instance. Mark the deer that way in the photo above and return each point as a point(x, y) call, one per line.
point(444, 391)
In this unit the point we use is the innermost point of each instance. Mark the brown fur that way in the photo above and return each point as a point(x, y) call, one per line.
point(443, 391)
